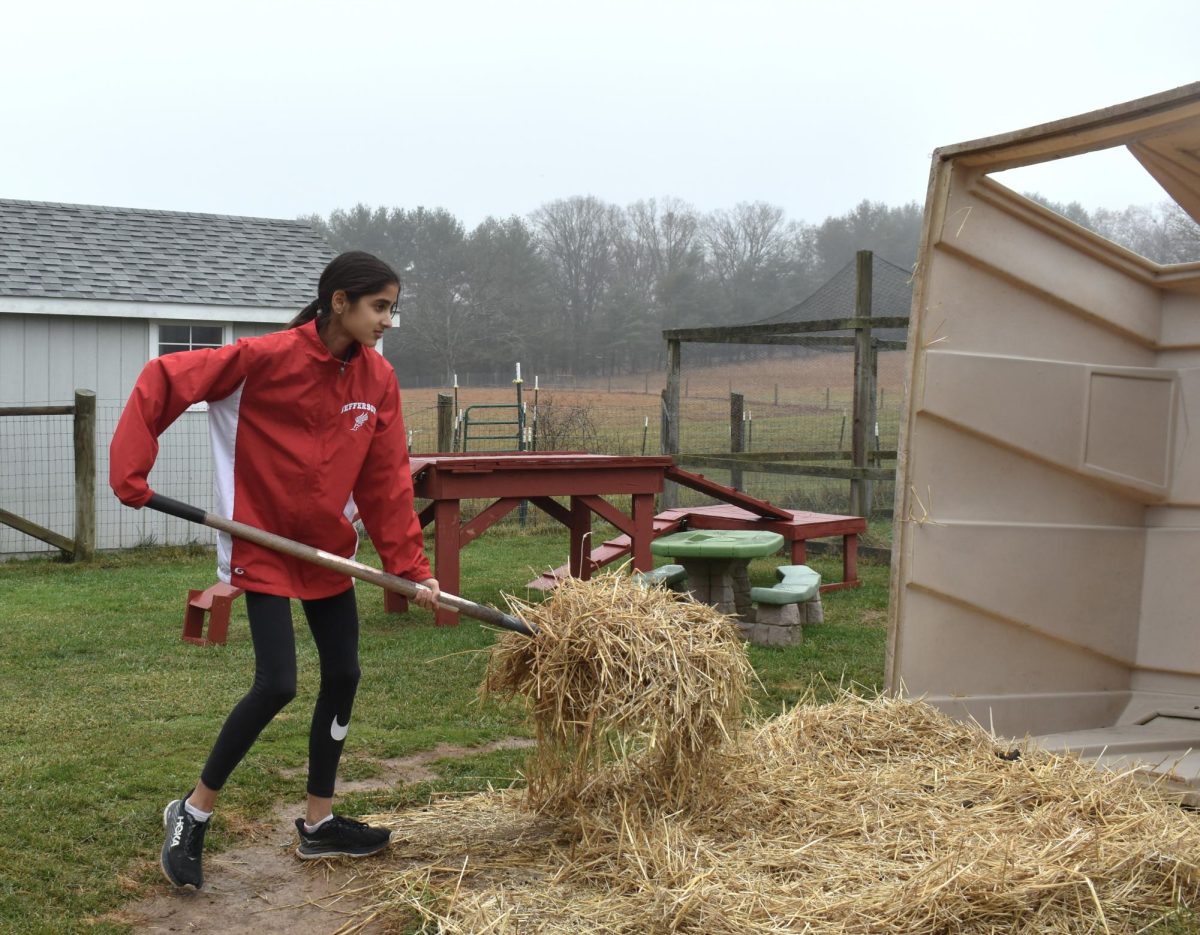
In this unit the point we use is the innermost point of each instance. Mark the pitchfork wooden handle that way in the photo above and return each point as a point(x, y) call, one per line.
point(347, 566)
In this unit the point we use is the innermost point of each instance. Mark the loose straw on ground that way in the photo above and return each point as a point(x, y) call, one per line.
point(860, 816)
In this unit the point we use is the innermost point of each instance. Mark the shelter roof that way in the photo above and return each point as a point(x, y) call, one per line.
point(68, 251)
point(1162, 132)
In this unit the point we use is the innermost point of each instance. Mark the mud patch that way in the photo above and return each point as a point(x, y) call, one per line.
point(262, 888)
point(259, 888)
point(415, 768)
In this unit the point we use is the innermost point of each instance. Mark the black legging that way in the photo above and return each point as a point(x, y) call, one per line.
point(334, 625)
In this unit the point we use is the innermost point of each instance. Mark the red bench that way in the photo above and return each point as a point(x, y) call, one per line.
point(216, 601)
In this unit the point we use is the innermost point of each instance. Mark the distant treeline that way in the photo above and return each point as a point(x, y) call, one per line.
point(1164, 233)
point(584, 287)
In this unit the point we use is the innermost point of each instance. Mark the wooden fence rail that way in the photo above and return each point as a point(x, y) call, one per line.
point(727, 463)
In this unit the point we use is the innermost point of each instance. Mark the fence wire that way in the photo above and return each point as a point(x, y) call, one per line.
point(795, 401)
point(38, 481)
point(798, 404)
point(37, 478)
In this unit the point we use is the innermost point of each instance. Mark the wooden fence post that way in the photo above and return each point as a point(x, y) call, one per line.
point(85, 475)
point(670, 436)
point(864, 395)
point(737, 435)
point(445, 422)
point(454, 416)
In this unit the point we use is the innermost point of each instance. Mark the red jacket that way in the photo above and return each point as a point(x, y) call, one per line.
point(295, 434)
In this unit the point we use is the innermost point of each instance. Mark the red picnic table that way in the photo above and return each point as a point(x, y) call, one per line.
point(509, 478)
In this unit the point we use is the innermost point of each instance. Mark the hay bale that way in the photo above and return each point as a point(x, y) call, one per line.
point(643, 673)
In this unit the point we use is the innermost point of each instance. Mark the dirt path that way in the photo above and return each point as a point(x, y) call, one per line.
point(262, 888)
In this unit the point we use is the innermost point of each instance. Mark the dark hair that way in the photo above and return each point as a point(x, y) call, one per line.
point(356, 273)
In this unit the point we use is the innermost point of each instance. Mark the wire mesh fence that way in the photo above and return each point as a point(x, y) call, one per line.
point(797, 406)
point(37, 470)
point(795, 401)
point(37, 481)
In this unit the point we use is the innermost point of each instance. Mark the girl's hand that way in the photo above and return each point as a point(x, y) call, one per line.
point(428, 599)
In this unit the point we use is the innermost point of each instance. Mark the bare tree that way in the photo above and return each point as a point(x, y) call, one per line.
point(576, 236)
point(659, 265)
point(1164, 233)
point(741, 240)
point(747, 246)
point(1185, 233)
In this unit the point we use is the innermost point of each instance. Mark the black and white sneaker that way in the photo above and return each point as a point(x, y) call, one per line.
point(341, 837)
point(182, 846)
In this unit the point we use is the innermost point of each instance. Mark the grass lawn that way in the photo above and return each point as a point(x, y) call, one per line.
point(105, 713)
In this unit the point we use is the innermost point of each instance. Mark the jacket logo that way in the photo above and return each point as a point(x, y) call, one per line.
point(364, 413)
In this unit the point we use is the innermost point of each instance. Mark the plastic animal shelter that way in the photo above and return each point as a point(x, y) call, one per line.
point(1046, 570)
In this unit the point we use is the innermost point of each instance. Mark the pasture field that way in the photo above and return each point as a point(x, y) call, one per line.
point(622, 416)
point(105, 713)
point(792, 402)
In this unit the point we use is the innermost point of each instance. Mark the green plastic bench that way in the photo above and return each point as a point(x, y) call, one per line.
point(797, 585)
point(665, 576)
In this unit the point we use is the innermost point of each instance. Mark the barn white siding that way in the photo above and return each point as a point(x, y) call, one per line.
point(43, 360)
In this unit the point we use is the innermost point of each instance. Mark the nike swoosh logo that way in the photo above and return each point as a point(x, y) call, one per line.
point(338, 731)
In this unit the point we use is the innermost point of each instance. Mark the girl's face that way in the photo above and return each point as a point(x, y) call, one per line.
point(368, 317)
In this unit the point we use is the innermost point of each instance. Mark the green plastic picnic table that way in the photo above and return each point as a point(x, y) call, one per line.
point(718, 543)
point(716, 561)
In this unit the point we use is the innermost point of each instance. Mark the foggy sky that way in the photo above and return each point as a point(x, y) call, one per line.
point(285, 108)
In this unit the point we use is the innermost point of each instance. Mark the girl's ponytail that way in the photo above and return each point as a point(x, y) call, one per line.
point(306, 314)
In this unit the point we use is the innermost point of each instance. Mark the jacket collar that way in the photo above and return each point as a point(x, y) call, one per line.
point(316, 347)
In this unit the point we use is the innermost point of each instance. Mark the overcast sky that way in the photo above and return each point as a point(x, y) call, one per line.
point(285, 108)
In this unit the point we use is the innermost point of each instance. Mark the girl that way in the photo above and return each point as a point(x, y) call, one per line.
point(306, 427)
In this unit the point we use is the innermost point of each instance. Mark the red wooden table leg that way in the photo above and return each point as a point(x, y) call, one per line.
point(643, 531)
point(850, 559)
point(581, 540)
point(799, 552)
point(446, 517)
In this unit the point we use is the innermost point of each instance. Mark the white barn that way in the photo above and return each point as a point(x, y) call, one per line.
point(87, 296)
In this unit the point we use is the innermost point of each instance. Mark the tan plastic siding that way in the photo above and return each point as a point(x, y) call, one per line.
point(1048, 510)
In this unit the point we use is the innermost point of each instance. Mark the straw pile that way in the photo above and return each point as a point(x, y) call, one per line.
point(642, 673)
point(861, 816)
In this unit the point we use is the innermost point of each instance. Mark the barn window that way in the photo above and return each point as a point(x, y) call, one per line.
point(175, 337)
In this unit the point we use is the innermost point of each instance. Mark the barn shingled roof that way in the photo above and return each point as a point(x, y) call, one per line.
point(67, 251)
point(891, 297)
